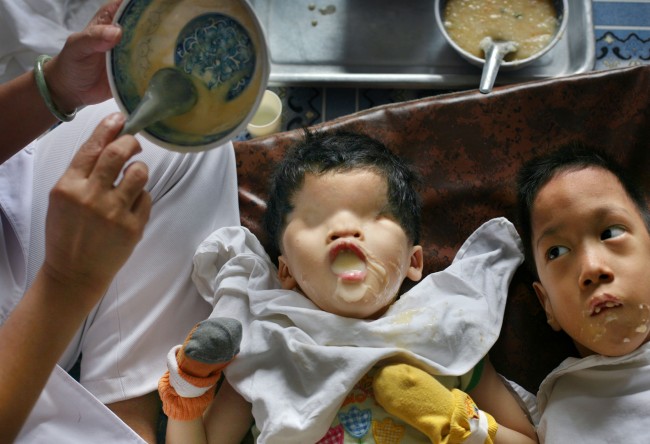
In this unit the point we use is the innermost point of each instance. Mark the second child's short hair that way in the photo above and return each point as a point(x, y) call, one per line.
point(539, 171)
point(342, 151)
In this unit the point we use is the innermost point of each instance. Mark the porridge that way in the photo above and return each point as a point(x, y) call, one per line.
point(532, 24)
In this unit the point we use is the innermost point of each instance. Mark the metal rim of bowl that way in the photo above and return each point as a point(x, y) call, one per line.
point(514, 64)
point(265, 67)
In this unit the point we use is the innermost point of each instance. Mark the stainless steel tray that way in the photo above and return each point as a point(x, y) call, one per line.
point(394, 44)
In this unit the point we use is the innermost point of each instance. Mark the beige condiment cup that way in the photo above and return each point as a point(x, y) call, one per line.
point(268, 117)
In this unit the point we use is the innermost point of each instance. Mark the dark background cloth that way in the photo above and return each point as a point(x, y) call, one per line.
point(468, 147)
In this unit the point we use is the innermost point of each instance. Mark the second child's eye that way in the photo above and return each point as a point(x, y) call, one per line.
point(611, 232)
point(555, 252)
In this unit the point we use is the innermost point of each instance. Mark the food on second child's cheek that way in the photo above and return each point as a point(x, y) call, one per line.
point(531, 24)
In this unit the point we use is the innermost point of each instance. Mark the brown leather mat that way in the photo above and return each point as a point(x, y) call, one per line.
point(468, 147)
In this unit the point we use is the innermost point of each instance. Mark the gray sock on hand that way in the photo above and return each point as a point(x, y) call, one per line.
point(214, 340)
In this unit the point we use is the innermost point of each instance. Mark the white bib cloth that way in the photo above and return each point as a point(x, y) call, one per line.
point(597, 399)
point(297, 362)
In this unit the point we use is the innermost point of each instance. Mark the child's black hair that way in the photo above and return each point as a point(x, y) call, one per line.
point(341, 151)
point(537, 172)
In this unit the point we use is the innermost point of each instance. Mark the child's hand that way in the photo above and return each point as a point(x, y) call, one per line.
point(187, 387)
point(417, 398)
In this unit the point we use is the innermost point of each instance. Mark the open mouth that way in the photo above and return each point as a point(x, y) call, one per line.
point(348, 262)
point(600, 306)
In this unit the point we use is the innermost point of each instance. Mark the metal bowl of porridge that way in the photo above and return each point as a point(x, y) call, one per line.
point(501, 34)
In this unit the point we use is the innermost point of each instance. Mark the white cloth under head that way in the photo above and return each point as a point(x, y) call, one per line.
point(297, 362)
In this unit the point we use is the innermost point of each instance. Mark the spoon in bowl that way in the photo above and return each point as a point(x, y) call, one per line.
point(495, 51)
point(170, 93)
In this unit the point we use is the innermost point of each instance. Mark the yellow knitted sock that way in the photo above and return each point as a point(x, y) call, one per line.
point(417, 398)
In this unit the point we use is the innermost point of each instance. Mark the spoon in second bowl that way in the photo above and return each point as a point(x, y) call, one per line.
point(494, 51)
point(170, 93)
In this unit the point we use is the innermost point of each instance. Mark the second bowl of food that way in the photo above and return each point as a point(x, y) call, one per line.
point(474, 27)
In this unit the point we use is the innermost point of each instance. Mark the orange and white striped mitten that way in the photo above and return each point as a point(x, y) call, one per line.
point(187, 387)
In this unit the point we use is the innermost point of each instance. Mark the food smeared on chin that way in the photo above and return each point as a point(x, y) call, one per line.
point(611, 321)
point(363, 286)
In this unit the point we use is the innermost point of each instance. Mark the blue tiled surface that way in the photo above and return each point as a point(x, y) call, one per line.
point(617, 14)
point(614, 50)
point(622, 38)
point(622, 33)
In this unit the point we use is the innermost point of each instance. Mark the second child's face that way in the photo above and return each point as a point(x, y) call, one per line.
point(592, 253)
point(342, 249)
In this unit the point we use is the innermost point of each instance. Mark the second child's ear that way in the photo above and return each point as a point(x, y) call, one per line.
point(414, 272)
point(546, 303)
point(287, 280)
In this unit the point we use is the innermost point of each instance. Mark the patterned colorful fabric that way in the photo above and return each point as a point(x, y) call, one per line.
point(361, 420)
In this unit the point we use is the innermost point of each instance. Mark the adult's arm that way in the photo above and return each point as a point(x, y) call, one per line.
point(75, 77)
point(91, 228)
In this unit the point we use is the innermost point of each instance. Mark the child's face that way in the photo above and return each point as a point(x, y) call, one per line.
point(341, 248)
point(592, 253)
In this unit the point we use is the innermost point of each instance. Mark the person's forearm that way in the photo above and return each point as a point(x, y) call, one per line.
point(509, 436)
point(493, 395)
point(31, 341)
point(25, 115)
point(74, 78)
point(187, 432)
point(229, 418)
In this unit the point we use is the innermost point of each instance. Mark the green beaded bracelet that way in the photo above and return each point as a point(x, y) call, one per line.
point(45, 93)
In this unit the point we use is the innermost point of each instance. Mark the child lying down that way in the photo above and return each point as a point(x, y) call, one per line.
point(329, 352)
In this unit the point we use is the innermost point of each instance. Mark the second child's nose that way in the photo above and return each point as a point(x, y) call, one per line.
point(595, 270)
